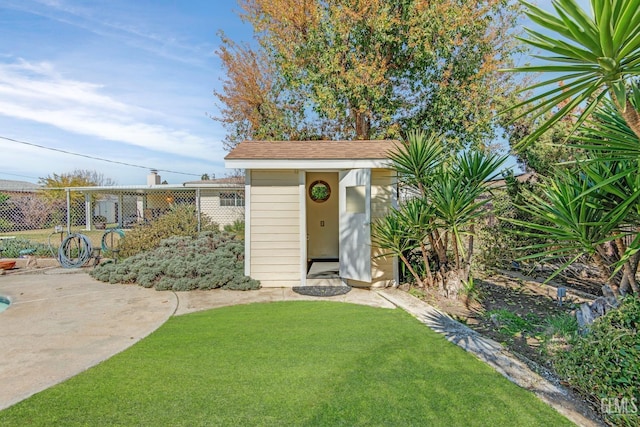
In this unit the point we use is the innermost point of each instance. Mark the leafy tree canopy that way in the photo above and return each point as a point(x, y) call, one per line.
point(349, 69)
point(55, 183)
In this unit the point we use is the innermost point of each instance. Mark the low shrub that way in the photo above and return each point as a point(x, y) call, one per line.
point(182, 263)
point(237, 228)
point(604, 365)
point(180, 220)
point(11, 247)
point(559, 331)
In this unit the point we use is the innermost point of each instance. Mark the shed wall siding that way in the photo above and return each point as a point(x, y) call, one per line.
point(275, 227)
point(382, 188)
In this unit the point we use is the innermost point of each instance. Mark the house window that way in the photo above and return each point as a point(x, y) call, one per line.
point(231, 199)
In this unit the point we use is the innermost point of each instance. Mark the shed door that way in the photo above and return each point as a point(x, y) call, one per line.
point(355, 224)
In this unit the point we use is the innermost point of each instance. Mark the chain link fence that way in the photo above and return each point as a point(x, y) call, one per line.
point(37, 215)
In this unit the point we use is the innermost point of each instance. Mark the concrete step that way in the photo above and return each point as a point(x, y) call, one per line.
point(325, 281)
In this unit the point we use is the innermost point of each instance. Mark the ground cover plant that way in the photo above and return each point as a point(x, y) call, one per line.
point(290, 363)
point(183, 263)
point(605, 363)
point(11, 247)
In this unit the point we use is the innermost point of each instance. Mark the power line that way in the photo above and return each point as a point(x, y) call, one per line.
point(15, 174)
point(93, 157)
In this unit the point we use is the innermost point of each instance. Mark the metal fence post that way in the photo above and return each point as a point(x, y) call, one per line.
point(68, 211)
point(87, 211)
point(120, 212)
point(198, 207)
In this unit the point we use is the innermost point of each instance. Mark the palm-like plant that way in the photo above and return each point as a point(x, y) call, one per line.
point(415, 160)
point(593, 55)
point(448, 195)
point(388, 233)
point(570, 225)
point(607, 136)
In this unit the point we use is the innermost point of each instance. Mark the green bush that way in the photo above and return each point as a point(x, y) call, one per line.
point(210, 260)
point(6, 225)
point(499, 242)
point(180, 220)
point(236, 228)
point(11, 247)
point(604, 365)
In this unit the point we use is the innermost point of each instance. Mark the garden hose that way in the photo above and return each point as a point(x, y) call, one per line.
point(74, 251)
point(110, 232)
point(51, 248)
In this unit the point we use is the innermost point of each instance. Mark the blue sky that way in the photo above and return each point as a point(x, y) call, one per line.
point(130, 81)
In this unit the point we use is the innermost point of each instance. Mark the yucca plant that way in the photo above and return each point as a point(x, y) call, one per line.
point(447, 195)
point(388, 233)
point(592, 55)
point(573, 218)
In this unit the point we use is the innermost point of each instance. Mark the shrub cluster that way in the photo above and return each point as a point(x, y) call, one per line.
point(237, 228)
point(604, 365)
point(11, 247)
point(182, 263)
point(180, 220)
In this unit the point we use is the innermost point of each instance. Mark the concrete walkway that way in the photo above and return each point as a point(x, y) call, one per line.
point(62, 322)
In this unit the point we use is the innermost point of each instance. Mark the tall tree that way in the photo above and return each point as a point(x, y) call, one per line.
point(254, 105)
point(368, 69)
point(55, 183)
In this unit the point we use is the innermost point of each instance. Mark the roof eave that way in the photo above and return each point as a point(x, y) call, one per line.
point(307, 164)
point(150, 188)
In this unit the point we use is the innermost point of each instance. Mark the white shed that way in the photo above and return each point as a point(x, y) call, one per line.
point(309, 207)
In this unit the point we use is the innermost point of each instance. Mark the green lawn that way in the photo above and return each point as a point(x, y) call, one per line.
point(289, 363)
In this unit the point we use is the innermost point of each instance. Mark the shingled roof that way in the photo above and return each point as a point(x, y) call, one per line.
point(18, 186)
point(311, 150)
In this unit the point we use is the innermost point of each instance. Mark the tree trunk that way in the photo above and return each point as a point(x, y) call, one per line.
point(427, 265)
point(452, 283)
point(436, 243)
point(633, 263)
point(605, 273)
point(472, 230)
point(412, 271)
point(456, 252)
point(362, 124)
point(629, 272)
point(632, 117)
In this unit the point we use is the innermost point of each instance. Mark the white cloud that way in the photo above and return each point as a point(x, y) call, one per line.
point(121, 24)
point(36, 92)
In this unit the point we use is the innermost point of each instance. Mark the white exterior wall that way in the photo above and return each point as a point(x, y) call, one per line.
point(221, 215)
point(383, 186)
point(274, 222)
point(106, 208)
